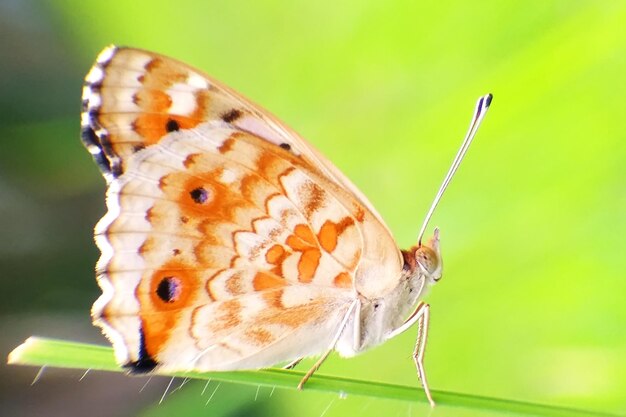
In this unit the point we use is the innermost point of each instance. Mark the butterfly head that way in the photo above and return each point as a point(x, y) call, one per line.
point(427, 258)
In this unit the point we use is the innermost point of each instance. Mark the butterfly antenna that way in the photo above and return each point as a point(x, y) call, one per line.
point(482, 105)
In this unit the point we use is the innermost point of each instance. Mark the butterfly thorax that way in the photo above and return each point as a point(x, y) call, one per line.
point(380, 317)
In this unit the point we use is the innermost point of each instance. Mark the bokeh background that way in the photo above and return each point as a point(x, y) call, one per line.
point(533, 302)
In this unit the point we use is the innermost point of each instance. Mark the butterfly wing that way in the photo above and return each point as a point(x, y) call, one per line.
point(229, 243)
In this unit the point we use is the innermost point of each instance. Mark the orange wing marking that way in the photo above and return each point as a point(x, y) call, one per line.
point(264, 281)
point(294, 317)
point(303, 241)
point(330, 232)
point(259, 336)
point(227, 316)
point(234, 285)
point(343, 280)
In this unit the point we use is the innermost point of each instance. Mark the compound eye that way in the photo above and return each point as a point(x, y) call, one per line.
point(427, 259)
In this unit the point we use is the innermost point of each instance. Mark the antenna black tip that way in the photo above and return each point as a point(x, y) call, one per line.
point(488, 99)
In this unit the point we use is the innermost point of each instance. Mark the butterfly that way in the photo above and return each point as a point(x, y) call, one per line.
point(229, 241)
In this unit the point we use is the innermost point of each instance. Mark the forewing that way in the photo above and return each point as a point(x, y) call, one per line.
point(142, 96)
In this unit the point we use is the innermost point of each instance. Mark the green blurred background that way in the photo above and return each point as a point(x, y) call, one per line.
point(533, 302)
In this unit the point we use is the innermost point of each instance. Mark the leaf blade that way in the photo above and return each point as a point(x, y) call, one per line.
point(37, 351)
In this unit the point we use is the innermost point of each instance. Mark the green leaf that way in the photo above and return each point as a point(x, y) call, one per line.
point(64, 354)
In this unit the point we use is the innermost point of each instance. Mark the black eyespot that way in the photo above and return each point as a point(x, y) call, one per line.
point(199, 195)
point(285, 146)
point(231, 116)
point(376, 306)
point(172, 125)
point(169, 289)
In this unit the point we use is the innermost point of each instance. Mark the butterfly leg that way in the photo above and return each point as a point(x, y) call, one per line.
point(314, 368)
point(356, 304)
point(293, 364)
point(422, 315)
